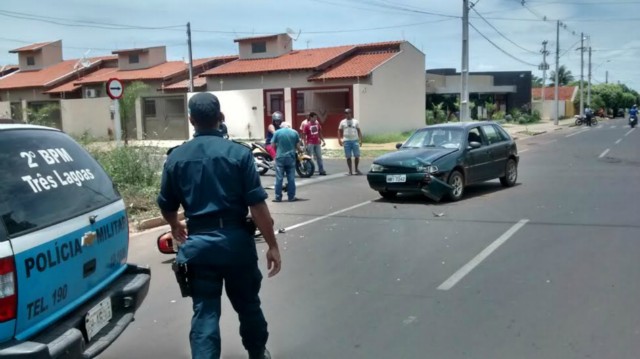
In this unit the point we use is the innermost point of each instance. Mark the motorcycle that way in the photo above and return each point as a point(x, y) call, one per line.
point(264, 162)
point(633, 121)
point(583, 121)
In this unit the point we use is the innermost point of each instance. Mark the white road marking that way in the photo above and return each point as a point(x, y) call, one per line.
point(631, 130)
point(576, 133)
point(618, 141)
point(604, 153)
point(467, 268)
point(523, 151)
point(324, 217)
point(613, 126)
point(308, 181)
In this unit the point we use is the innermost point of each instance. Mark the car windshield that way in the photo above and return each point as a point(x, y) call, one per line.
point(435, 137)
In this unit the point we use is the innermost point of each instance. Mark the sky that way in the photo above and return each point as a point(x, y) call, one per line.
point(508, 35)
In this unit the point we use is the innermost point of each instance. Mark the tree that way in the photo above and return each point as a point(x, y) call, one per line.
point(611, 97)
point(128, 105)
point(536, 81)
point(564, 76)
point(45, 115)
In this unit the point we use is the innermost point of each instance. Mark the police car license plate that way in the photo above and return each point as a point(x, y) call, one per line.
point(396, 178)
point(98, 317)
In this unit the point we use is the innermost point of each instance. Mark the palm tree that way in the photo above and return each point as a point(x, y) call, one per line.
point(564, 76)
point(536, 81)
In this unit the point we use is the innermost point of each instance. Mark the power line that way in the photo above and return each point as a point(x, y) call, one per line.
point(501, 49)
point(386, 5)
point(501, 34)
point(79, 23)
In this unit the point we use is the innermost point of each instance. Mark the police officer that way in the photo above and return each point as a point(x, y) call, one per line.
point(215, 181)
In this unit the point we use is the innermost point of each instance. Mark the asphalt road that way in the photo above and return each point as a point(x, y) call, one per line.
point(546, 269)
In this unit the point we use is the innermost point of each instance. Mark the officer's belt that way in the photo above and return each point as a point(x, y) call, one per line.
point(211, 223)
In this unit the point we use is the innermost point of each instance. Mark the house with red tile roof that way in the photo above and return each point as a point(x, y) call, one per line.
point(45, 78)
point(382, 82)
point(566, 98)
point(41, 68)
point(160, 114)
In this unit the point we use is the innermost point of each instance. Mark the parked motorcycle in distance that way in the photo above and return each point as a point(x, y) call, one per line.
point(583, 121)
point(633, 121)
point(264, 162)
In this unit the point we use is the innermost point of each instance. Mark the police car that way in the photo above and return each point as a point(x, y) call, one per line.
point(66, 289)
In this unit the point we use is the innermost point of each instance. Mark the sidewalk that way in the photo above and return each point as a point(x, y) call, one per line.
point(515, 130)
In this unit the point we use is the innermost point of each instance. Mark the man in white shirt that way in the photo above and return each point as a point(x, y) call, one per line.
point(350, 136)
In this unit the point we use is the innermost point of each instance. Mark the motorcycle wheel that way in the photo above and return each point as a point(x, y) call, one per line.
point(263, 158)
point(578, 122)
point(594, 122)
point(305, 168)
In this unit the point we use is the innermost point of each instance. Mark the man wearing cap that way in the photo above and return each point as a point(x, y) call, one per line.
point(215, 182)
point(350, 136)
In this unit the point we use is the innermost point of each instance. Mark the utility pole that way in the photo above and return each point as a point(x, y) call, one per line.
point(581, 74)
point(544, 67)
point(190, 57)
point(555, 96)
point(589, 77)
point(464, 93)
point(606, 77)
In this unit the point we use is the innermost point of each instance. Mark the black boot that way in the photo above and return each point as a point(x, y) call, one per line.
point(263, 355)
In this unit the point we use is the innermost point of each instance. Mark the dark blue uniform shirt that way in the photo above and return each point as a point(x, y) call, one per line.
point(212, 178)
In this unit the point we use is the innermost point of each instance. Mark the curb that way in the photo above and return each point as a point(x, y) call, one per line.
point(154, 222)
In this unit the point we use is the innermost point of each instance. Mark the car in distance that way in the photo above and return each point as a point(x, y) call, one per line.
point(442, 160)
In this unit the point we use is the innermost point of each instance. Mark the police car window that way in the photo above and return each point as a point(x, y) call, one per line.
point(47, 178)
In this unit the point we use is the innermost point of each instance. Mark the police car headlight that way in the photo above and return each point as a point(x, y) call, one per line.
point(377, 168)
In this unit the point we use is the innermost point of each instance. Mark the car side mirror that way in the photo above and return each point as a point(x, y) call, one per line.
point(473, 145)
point(165, 243)
point(398, 145)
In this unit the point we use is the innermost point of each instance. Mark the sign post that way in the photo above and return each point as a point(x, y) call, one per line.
point(115, 90)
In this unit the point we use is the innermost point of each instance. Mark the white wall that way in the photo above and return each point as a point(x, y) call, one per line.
point(243, 111)
point(5, 109)
point(92, 116)
point(548, 108)
point(395, 100)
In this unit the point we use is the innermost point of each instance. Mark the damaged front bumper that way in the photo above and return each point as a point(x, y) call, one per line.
point(432, 187)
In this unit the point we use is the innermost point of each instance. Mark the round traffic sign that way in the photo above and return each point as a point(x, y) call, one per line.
point(115, 89)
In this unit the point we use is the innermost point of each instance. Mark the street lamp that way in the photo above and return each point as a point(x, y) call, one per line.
point(599, 65)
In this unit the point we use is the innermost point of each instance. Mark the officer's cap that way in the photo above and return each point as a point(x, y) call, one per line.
point(204, 107)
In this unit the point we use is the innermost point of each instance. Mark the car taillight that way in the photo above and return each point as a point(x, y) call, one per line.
point(7, 289)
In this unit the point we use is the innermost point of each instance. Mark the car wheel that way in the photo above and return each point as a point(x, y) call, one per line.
point(388, 194)
point(510, 174)
point(456, 180)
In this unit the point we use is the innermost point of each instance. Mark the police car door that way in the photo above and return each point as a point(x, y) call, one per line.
point(65, 224)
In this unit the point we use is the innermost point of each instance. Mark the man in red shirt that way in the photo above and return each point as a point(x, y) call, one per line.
point(314, 141)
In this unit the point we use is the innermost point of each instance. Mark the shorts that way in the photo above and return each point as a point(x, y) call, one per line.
point(351, 148)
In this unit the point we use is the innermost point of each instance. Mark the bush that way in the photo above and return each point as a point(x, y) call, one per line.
point(135, 171)
point(387, 137)
point(499, 115)
point(131, 166)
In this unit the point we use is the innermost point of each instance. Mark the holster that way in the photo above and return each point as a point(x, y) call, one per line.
point(250, 225)
point(180, 270)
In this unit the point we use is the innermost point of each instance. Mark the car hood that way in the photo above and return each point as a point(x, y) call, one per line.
point(413, 157)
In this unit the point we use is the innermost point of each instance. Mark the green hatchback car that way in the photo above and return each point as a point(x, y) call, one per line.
point(441, 160)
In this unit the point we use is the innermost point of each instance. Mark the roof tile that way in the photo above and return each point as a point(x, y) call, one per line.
point(32, 47)
point(49, 76)
point(565, 93)
point(360, 65)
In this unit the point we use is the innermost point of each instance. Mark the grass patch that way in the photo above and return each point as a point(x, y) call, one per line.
point(135, 171)
point(387, 137)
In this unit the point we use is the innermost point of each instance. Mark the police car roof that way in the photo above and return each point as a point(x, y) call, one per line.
point(22, 126)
